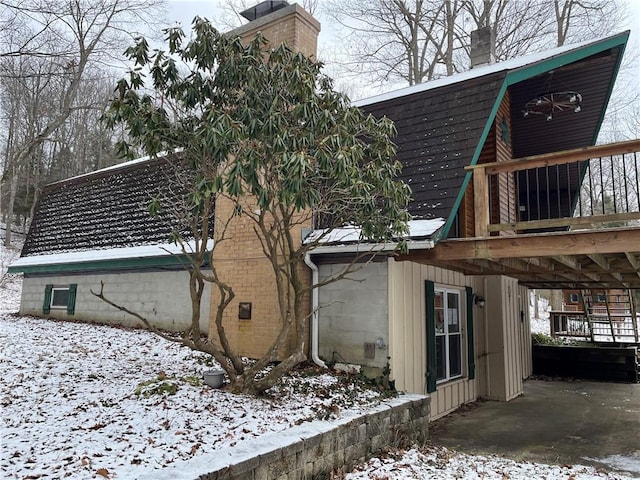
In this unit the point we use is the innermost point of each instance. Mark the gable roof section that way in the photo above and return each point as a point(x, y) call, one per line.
point(103, 210)
point(438, 132)
point(442, 125)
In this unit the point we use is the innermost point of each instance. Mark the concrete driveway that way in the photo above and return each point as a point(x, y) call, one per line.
point(553, 422)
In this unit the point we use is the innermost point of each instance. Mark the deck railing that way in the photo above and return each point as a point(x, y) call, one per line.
point(592, 187)
point(617, 327)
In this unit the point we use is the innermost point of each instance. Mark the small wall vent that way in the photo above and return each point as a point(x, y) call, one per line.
point(263, 8)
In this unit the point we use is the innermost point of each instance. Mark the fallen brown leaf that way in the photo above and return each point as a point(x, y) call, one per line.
point(103, 472)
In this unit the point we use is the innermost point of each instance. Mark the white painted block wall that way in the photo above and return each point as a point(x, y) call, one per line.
point(160, 296)
point(353, 312)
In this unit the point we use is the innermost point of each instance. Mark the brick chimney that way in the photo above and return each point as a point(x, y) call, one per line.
point(252, 320)
point(483, 46)
point(280, 22)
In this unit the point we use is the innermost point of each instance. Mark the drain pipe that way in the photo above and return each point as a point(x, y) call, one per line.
point(314, 311)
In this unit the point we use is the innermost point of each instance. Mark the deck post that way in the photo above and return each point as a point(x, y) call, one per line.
point(481, 201)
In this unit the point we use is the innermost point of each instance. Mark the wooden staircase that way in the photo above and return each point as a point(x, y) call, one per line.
point(612, 315)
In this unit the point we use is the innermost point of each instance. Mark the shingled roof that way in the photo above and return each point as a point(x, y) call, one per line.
point(105, 209)
point(438, 132)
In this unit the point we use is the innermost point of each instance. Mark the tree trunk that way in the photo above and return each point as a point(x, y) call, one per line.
point(12, 200)
point(555, 300)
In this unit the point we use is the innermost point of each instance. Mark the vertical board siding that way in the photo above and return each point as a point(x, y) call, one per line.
point(525, 333)
point(467, 214)
point(407, 334)
point(502, 186)
point(502, 201)
point(514, 360)
point(504, 343)
point(506, 181)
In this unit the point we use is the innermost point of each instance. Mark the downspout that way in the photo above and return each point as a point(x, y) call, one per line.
point(314, 311)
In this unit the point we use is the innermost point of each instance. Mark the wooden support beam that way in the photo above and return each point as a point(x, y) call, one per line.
point(560, 158)
point(564, 222)
point(633, 260)
point(537, 245)
point(567, 261)
point(617, 276)
point(481, 202)
point(599, 260)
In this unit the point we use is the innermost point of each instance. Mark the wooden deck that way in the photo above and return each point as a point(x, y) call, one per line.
point(577, 227)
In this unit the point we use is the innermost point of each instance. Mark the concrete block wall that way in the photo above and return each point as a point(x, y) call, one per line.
point(353, 312)
point(160, 296)
point(314, 450)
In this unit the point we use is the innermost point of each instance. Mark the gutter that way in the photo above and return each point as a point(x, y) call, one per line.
point(365, 248)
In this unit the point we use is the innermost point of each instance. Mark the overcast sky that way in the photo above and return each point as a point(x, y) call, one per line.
point(183, 11)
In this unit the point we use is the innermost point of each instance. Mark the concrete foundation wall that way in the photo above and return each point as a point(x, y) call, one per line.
point(161, 297)
point(352, 313)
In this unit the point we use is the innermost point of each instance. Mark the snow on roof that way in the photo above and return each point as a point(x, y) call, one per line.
point(118, 166)
point(144, 251)
point(476, 72)
point(348, 235)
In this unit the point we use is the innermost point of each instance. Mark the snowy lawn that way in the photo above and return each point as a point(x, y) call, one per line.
point(83, 401)
point(80, 400)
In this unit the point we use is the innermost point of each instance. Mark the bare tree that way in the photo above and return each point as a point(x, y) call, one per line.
point(391, 40)
point(577, 20)
point(71, 38)
point(520, 27)
point(419, 40)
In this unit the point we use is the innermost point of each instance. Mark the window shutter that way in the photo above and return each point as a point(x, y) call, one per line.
point(46, 306)
point(71, 299)
point(430, 303)
point(471, 358)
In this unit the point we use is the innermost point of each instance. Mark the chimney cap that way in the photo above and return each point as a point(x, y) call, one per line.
point(263, 8)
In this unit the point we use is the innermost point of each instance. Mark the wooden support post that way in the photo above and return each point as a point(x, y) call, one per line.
point(634, 315)
point(481, 201)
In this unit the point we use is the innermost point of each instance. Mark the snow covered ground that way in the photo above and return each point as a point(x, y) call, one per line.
point(434, 462)
point(82, 401)
point(539, 324)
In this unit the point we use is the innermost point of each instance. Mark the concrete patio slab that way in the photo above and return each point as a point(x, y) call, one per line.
point(553, 422)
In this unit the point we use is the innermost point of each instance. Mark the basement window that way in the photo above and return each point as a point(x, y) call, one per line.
point(60, 297)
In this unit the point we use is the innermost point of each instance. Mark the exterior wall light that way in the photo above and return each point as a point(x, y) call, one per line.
point(478, 301)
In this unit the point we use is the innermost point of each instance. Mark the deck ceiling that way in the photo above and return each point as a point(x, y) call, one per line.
point(559, 260)
point(592, 77)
